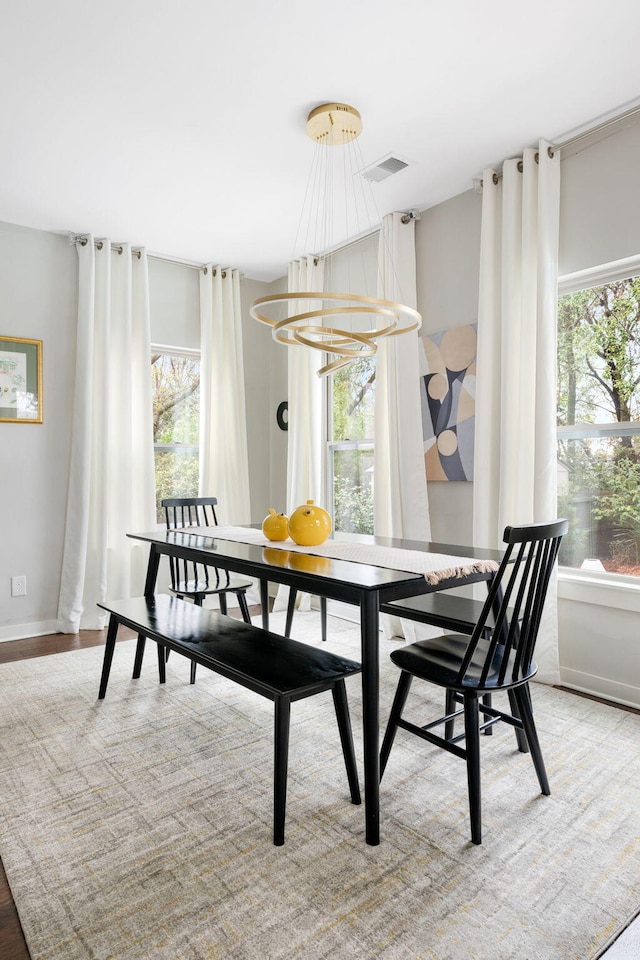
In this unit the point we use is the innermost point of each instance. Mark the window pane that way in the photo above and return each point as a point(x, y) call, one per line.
point(353, 400)
point(599, 426)
point(599, 493)
point(176, 475)
point(176, 425)
point(353, 490)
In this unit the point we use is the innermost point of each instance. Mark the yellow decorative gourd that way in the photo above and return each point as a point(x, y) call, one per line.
point(275, 526)
point(309, 525)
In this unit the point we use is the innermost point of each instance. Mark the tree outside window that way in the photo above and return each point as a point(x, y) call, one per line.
point(351, 450)
point(176, 423)
point(599, 425)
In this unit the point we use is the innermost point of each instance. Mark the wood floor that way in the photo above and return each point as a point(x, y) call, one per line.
point(12, 943)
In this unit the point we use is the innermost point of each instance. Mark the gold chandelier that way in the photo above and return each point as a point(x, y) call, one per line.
point(370, 318)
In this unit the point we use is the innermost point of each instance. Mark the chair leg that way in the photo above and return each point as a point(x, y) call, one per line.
point(472, 743)
point(402, 692)
point(323, 618)
point(109, 647)
point(487, 702)
point(526, 713)
point(222, 600)
point(449, 707)
point(523, 745)
point(291, 605)
point(244, 607)
point(280, 761)
point(346, 738)
point(137, 663)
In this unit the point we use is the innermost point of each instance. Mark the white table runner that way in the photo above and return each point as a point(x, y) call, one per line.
point(433, 566)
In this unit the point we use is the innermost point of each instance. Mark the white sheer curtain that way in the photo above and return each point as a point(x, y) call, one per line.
point(515, 447)
point(304, 437)
point(111, 476)
point(401, 502)
point(401, 505)
point(306, 429)
point(224, 459)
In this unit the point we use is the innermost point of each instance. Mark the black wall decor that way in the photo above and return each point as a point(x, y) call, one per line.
point(282, 415)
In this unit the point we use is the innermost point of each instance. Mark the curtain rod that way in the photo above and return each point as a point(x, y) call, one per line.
point(627, 115)
point(612, 121)
point(119, 249)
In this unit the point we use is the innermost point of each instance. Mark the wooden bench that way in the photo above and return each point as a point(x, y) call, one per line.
point(278, 668)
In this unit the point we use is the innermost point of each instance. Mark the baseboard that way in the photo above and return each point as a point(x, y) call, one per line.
point(22, 631)
point(614, 690)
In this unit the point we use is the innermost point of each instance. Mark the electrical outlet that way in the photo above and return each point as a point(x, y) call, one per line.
point(18, 586)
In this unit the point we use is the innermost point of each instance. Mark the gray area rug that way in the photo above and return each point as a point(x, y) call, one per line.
point(139, 828)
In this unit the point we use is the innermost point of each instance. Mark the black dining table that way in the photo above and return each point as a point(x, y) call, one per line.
point(362, 584)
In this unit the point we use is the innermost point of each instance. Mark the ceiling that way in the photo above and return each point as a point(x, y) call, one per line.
point(181, 126)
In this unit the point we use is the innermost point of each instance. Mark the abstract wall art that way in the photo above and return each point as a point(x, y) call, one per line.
point(447, 392)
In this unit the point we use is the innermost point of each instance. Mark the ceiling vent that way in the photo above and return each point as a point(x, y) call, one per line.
point(384, 168)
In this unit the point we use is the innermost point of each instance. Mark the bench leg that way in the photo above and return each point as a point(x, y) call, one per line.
point(137, 663)
point(109, 647)
point(199, 602)
point(346, 737)
point(280, 761)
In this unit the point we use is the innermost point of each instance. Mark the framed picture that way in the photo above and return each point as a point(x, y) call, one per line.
point(20, 380)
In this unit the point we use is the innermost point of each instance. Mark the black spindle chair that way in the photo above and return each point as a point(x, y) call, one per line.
point(195, 581)
point(498, 656)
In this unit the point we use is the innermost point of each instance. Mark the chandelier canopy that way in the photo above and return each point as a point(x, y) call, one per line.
point(354, 321)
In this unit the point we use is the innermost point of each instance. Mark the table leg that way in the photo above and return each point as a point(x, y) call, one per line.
point(264, 603)
point(152, 572)
point(109, 647)
point(369, 626)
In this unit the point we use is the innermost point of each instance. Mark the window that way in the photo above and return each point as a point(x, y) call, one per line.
point(175, 377)
point(351, 398)
point(350, 450)
point(598, 410)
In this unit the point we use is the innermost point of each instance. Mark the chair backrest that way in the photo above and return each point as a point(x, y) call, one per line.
point(181, 512)
point(516, 597)
point(190, 512)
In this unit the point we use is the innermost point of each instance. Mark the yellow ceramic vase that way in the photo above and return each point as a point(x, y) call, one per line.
point(275, 526)
point(309, 525)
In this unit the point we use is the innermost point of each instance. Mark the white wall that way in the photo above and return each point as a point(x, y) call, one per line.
point(600, 201)
point(265, 365)
point(174, 304)
point(447, 266)
point(38, 280)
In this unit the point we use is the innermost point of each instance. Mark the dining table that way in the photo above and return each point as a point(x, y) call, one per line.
point(364, 572)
